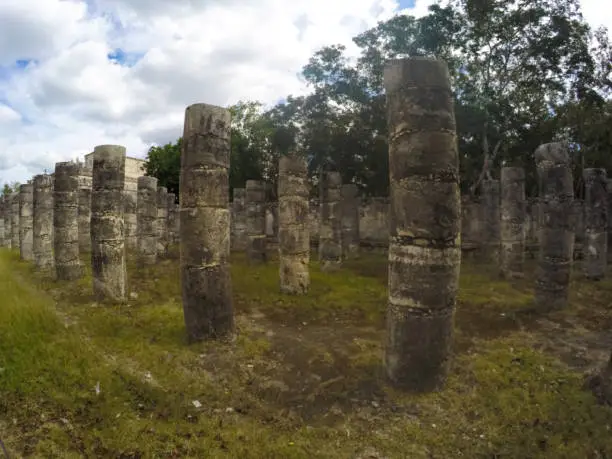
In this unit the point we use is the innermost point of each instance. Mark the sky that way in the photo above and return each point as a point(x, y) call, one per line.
point(79, 73)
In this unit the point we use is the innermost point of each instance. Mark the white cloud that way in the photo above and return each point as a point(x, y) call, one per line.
point(71, 96)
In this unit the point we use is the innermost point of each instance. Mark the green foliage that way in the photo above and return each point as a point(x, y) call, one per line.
point(9, 188)
point(164, 163)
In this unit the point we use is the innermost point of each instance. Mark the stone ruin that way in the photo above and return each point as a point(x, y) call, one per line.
point(424, 223)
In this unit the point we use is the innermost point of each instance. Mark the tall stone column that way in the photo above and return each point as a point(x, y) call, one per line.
point(8, 238)
point(609, 190)
point(256, 221)
point(85, 179)
point(557, 226)
point(26, 215)
point(66, 221)
point(351, 204)
point(205, 223)
point(162, 221)
point(512, 222)
point(130, 218)
point(596, 222)
point(107, 223)
point(172, 216)
point(330, 221)
point(425, 222)
point(42, 238)
point(491, 219)
point(578, 214)
point(2, 240)
point(147, 220)
point(293, 234)
point(15, 220)
point(239, 220)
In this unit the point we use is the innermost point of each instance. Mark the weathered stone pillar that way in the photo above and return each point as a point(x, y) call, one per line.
point(130, 218)
point(42, 234)
point(557, 226)
point(66, 221)
point(172, 216)
point(256, 221)
point(293, 235)
point(26, 215)
point(351, 204)
point(512, 222)
point(205, 223)
point(8, 238)
point(147, 220)
point(424, 251)
point(84, 209)
point(2, 240)
point(491, 219)
point(471, 224)
point(596, 221)
point(609, 190)
point(107, 223)
point(162, 221)
point(330, 221)
point(239, 221)
point(15, 220)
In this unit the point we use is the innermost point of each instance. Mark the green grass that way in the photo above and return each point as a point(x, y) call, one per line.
point(300, 380)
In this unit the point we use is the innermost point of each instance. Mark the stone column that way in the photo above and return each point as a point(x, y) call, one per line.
point(107, 223)
point(351, 204)
point(330, 221)
point(172, 216)
point(8, 238)
point(609, 190)
point(66, 221)
point(557, 226)
point(256, 221)
point(129, 215)
point(2, 240)
point(239, 220)
point(512, 222)
point(15, 220)
point(471, 238)
point(162, 221)
point(42, 237)
point(84, 209)
point(491, 219)
point(596, 222)
point(26, 215)
point(293, 235)
point(205, 223)
point(425, 222)
point(147, 220)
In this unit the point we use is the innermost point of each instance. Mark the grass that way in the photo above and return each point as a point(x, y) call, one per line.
point(302, 377)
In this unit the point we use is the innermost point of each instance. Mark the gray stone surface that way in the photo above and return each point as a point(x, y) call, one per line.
point(491, 220)
point(294, 241)
point(205, 223)
point(15, 220)
point(512, 222)
point(162, 221)
point(66, 221)
point(130, 199)
point(26, 221)
point(256, 221)
point(425, 222)
point(557, 226)
point(595, 223)
point(8, 238)
point(147, 220)
point(351, 204)
point(108, 264)
point(42, 238)
point(85, 179)
point(239, 221)
point(330, 221)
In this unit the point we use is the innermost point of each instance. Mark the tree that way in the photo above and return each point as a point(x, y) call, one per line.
point(164, 163)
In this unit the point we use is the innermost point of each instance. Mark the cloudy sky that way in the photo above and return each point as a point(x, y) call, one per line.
point(80, 73)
